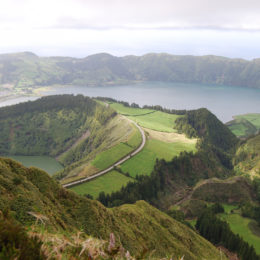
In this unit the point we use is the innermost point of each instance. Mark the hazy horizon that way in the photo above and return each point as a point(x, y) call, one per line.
point(124, 55)
point(79, 28)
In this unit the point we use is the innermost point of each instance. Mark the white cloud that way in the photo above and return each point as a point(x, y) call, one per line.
point(131, 14)
point(82, 27)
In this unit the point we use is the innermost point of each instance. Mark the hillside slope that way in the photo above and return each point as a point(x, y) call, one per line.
point(139, 227)
point(49, 125)
point(247, 157)
point(24, 71)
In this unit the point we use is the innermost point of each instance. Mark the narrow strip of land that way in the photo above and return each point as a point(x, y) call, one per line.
point(74, 183)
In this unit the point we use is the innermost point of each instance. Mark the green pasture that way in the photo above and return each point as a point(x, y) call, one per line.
point(121, 109)
point(143, 163)
point(239, 129)
point(110, 156)
point(108, 183)
point(158, 121)
point(115, 153)
point(240, 225)
point(252, 118)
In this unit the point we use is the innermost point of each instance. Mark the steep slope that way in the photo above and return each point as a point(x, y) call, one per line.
point(233, 190)
point(247, 157)
point(25, 71)
point(170, 181)
point(139, 227)
point(50, 125)
point(246, 125)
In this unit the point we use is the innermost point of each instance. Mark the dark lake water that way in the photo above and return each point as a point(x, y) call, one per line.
point(223, 101)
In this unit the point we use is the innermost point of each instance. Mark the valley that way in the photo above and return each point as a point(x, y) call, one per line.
point(184, 163)
point(161, 143)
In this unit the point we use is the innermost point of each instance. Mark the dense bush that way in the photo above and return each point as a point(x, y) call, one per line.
point(15, 243)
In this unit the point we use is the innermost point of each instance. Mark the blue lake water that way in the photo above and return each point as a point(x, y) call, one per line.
point(223, 101)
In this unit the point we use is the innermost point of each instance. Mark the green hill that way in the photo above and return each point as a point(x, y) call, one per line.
point(50, 125)
point(247, 157)
point(82, 134)
point(22, 72)
point(29, 192)
point(245, 125)
point(233, 190)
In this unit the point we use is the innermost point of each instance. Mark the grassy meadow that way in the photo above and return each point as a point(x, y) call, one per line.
point(163, 143)
point(148, 118)
point(46, 163)
point(240, 225)
point(143, 163)
point(245, 125)
point(121, 109)
point(252, 118)
point(158, 121)
point(108, 183)
point(115, 153)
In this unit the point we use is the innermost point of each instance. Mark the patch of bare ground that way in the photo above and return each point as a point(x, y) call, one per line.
point(84, 170)
point(169, 137)
point(85, 135)
point(227, 253)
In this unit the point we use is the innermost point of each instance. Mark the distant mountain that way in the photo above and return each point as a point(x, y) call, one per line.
point(24, 70)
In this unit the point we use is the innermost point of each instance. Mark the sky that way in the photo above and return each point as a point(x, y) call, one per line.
point(79, 28)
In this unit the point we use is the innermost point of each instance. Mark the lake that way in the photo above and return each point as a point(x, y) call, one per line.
point(223, 101)
point(46, 163)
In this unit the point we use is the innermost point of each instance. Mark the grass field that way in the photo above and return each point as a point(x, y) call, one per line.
point(115, 153)
point(158, 121)
point(46, 163)
point(121, 109)
point(252, 118)
point(143, 163)
point(240, 129)
point(108, 183)
point(245, 125)
point(239, 225)
point(148, 118)
point(228, 208)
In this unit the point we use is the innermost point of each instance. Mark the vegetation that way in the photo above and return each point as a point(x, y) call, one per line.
point(15, 242)
point(24, 71)
point(240, 225)
point(185, 170)
point(247, 157)
point(128, 110)
point(144, 162)
point(135, 227)
point(219, 232)
point(115, 153)
point(252, 118)
point(158, 121)
point(106, 183)
point(167, 179)
point(50, 125)
point(234, 189)
point(244, 126)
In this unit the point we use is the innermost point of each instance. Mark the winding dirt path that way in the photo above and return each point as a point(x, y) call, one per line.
point(74, 183)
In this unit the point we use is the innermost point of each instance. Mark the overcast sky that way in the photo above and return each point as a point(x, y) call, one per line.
point(121, 27)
